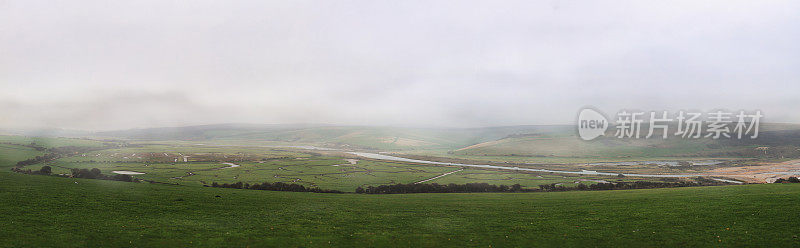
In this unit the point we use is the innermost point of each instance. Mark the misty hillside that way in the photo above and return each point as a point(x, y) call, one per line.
point(560, 141)
point(782, 139)
point(356, 136)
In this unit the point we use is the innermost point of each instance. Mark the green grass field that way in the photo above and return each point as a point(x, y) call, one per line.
point(51, 211)
point(44, 211)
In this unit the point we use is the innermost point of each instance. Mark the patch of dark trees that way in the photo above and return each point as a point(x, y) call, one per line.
point(45, 170)
point(39, 159)
point(471, 187)
point(485, 188)
point(58, 152)
point(276, 186)
point(632, 185)
point(94, 173)
point(439, 188)
point(790, 180)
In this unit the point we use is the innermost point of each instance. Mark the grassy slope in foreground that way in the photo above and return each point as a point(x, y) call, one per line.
point(48, 211)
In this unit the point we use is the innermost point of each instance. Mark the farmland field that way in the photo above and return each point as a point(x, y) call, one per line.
point(203, 164)
point(175, 210)
point(42, 210)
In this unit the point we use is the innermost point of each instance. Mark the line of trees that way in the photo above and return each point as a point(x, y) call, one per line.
point(439, 188)
point(39, 159)
point(630, 185)
point(56, 153)
point(45, 170)
point(790, 180)
point(94, 173)
point(276, 186)
point(484, 187)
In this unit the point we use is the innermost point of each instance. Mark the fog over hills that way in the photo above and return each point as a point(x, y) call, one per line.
point(139, 64)
point(539, 140)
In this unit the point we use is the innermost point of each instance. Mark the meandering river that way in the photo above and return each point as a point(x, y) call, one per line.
point(486, 166)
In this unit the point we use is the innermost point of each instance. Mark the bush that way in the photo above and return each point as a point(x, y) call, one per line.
point(790, 180)
point(84, 173)
point(95, 172)
point(122, 177)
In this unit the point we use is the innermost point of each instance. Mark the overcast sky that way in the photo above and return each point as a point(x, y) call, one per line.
point(123, 64)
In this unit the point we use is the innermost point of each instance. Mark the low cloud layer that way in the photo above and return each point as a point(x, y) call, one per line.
point(113, 65)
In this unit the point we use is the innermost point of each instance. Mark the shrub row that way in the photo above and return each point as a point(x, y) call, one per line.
point(484, 187)
point(94, 173)
point(790, 180)
point(439, 188)
point(629, 185)
point(277, 186)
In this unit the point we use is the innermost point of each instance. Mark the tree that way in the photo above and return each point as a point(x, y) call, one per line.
point(46, 170)
point(123, 177)
point(84, 173)
point(794, 180)
point(95, 172)
point(503, 188)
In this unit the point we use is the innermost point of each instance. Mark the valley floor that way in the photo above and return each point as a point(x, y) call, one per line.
point(51, 211)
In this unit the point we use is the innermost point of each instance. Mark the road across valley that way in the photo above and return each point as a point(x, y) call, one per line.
point(739, 176)
point(486, 166)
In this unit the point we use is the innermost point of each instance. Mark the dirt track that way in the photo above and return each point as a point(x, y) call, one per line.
point(760, 174)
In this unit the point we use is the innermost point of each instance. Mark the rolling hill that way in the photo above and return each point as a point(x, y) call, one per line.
point(386, 138)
